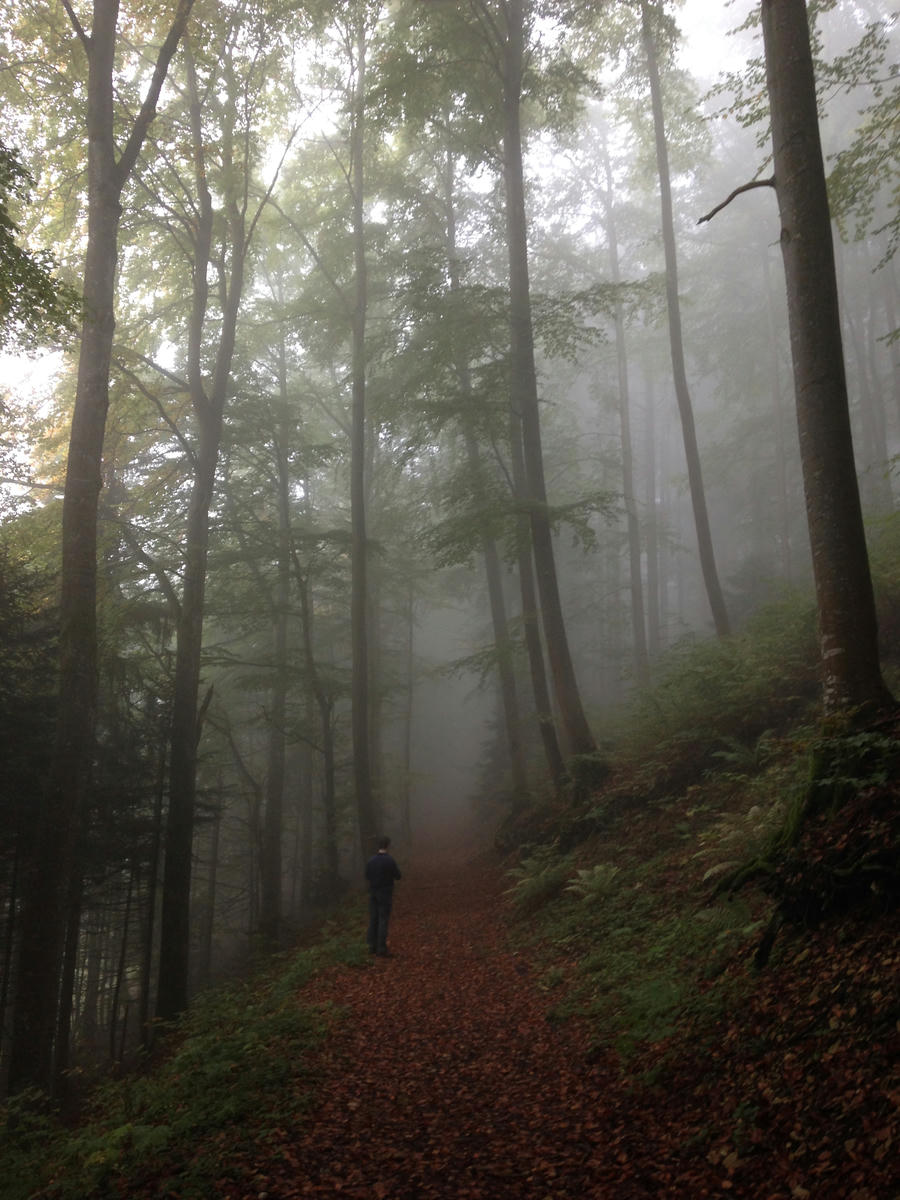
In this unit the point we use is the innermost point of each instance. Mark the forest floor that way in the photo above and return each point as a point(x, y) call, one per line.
point(445, 1074)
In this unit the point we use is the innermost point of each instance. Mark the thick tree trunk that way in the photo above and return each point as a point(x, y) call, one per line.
point(530, 623)
point(676, 341)
point(49, 878)
point(782, 499)
point(523, 380)
point(848, 631)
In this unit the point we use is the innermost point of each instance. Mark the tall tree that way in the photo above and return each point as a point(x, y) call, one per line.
point(848, 632)
point(650, 16)
point(212, 335)
point(359, 617)
point(510, 47)
point(635, 582)
point(47, 889)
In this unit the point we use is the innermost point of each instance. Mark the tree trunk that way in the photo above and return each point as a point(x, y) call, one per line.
point(48, 881)
point(782, 498)
point(530, 625)
point(492, 567)
point(270, 904)
point(676, 341)
point(848, 631)
point(652, 536)
point(209, 917)
point(408, 710)
point(208, 406)
point(523, 382)
point(636, 588)
point(362, 775)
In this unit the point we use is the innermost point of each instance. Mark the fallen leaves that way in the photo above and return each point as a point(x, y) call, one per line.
point(445, 1078)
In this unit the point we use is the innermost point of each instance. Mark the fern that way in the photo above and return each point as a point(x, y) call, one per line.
point(594, 883)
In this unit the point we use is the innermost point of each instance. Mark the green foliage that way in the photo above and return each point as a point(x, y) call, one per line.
point(849, 763)
point(34, 305)
point(595, 883)
point(538, 878)
point(237, 1063)
point(732, 691)
point(641, 961)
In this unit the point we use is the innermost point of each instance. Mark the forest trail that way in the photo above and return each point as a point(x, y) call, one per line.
point(444, 1076)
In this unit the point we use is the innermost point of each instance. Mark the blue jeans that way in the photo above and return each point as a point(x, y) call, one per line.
point(380, 901)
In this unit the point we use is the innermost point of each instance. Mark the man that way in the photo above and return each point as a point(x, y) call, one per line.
point(381, 871)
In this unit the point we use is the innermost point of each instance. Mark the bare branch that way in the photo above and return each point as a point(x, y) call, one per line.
point(745, 187)
point(155, 401)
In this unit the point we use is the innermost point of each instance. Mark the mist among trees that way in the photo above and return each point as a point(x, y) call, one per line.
point(391, 391)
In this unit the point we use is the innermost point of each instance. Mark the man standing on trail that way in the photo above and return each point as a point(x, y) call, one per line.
point(381, 871)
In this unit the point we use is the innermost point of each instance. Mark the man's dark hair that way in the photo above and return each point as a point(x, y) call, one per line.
point(383, 843)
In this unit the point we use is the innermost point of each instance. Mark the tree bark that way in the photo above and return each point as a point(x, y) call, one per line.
point(271, 866)
point(49, 878)
point(636, 588)
point(362, 775)
point(208, 406)
point(492, 567)
point(523, 383)
point(530, 621)
point(848, 633)
point(676, 340)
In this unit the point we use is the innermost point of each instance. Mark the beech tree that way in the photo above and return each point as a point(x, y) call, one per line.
point(47, 900)
point(848, 631)
point(650, 17)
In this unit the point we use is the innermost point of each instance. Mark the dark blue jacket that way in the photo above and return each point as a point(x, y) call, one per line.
point(381, 871)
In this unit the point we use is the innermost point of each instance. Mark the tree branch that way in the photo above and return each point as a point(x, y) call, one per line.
point(148, 108)
point(77, 26)
point(745, 187)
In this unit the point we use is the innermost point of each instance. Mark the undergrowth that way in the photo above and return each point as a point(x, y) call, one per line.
point(234, 1062)
point(651, 901)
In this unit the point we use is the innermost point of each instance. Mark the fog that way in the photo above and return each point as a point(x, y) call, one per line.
point(372, 406)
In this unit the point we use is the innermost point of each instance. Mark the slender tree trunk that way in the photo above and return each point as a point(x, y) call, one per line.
point(209, 922)
point(362, 774)
point(492, 567)
point(890, 309)
point(208, 406)
point(676, 341)
point(635, 582)
point(47, 884)
point(120, 968)
point(409, 708)
point(325, 707)
point(270, 908)
point(523, 380)
point(848, 632)
point(652, 536)
point(65, 1012)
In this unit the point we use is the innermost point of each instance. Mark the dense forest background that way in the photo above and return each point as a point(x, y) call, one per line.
point(435, 426)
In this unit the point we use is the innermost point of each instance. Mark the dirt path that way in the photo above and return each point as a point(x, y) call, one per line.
point(447, 1079)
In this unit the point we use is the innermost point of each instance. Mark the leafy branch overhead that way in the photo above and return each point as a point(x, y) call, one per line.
point(36, 306)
